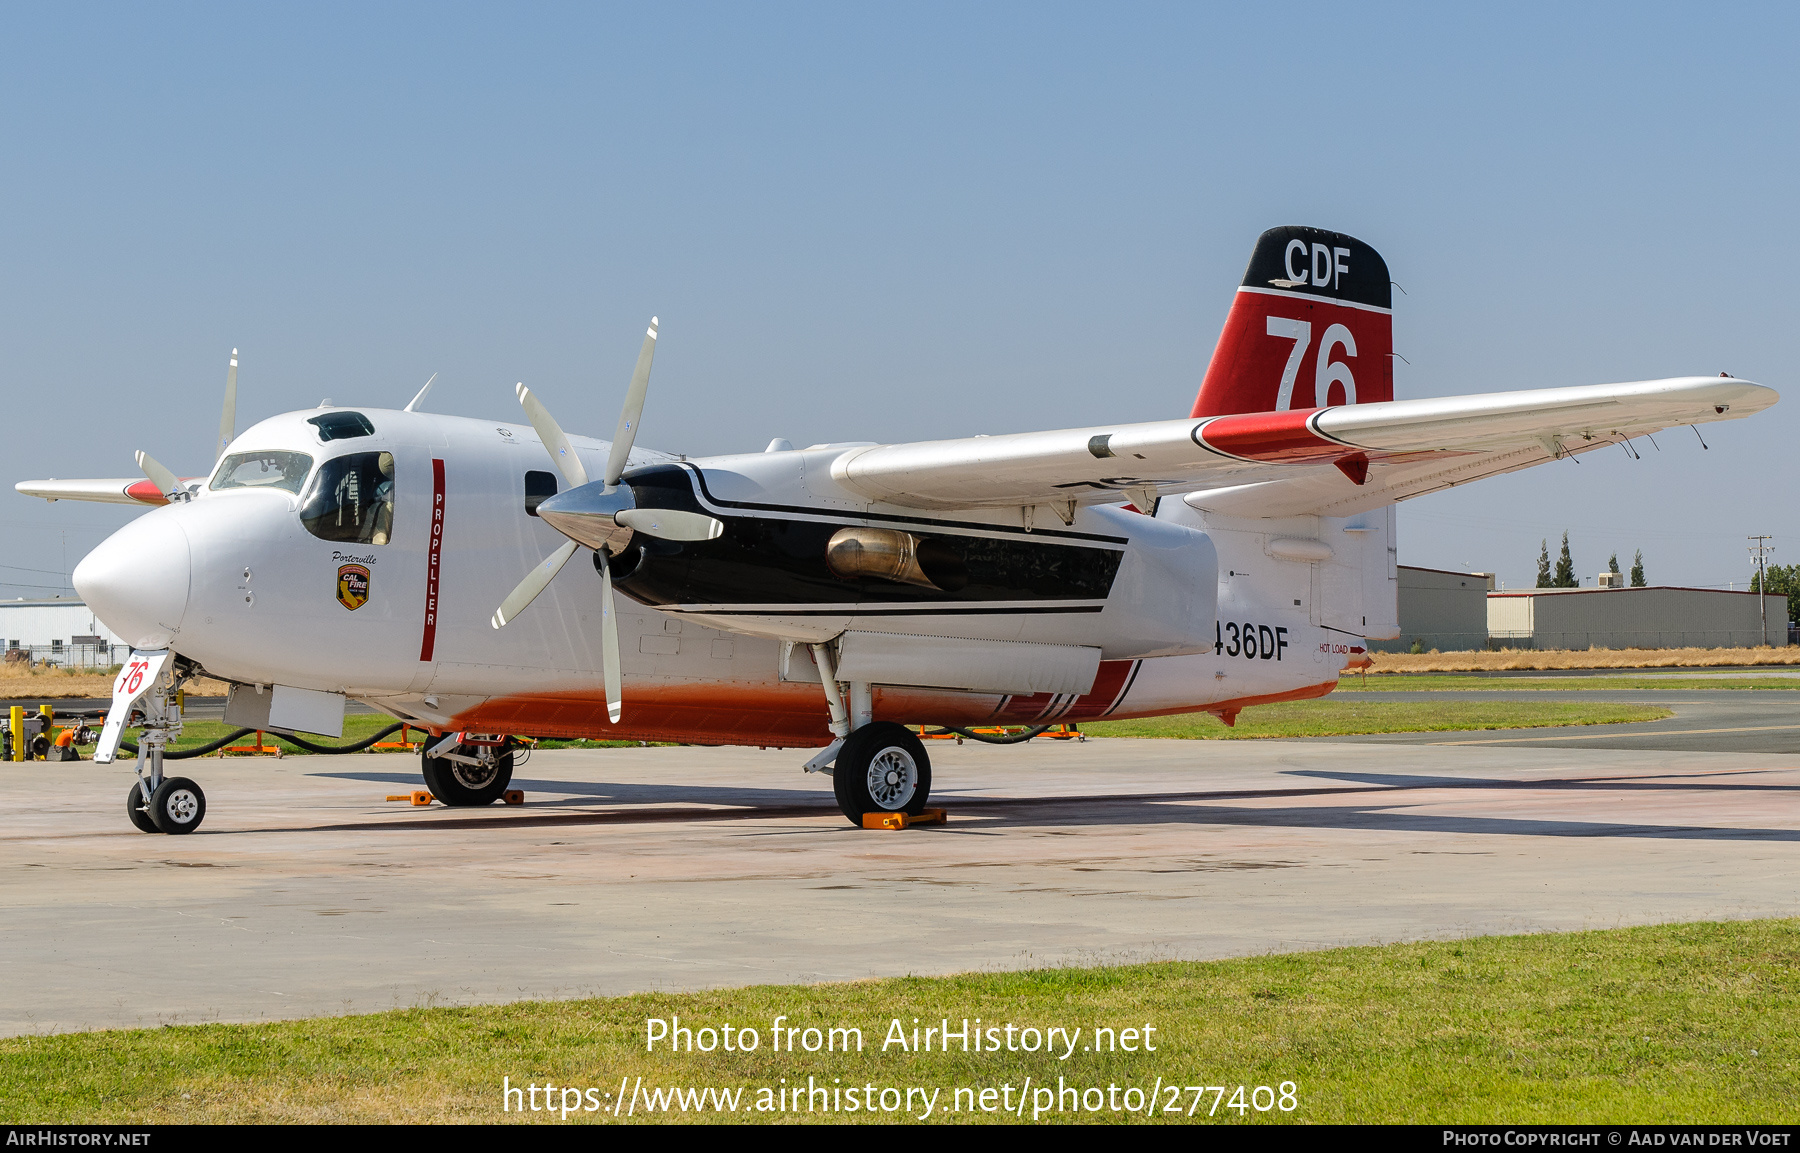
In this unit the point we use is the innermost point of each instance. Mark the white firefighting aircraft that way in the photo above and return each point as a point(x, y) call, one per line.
point(824, 596)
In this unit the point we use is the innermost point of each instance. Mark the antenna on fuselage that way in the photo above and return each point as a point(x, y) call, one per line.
point(420, 398)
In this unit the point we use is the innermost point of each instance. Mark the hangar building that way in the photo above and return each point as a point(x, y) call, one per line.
point(61, 630)
point(1659, 617)
point(1440, 609)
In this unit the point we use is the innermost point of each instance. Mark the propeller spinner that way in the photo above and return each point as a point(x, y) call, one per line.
point(602, 515)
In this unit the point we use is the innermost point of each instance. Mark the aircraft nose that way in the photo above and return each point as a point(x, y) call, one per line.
point(137, 580)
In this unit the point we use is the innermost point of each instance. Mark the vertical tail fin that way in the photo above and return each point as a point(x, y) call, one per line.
point(1311, 326)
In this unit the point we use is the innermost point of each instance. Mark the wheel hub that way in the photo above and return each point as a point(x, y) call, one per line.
point(893, 778)
point(472, 776)
point(182, 806)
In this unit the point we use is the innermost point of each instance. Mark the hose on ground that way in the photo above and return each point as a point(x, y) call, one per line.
point(215, 746)
point(990, 738)
point(331, 749)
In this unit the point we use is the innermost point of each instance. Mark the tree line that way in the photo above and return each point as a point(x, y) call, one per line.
point(1563, 576)
point(1784, 580)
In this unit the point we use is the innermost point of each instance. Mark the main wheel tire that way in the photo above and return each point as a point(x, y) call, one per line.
point(178, 805)
point(140, 816)
point(882, 768)
point(454, 783)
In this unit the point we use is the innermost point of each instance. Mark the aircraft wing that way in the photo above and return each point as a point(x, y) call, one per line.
point(129, 490)
point(1361, 454)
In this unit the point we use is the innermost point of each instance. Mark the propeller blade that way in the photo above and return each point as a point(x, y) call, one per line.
point(634, 409)
point(164, 480)
point(670, 523)
point(228, 419)
point(534, 583)
point(555, 442)
point(416, 401)
point(609, 641)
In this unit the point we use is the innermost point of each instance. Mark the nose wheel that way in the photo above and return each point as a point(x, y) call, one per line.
point(176, 806)
point(882, 768)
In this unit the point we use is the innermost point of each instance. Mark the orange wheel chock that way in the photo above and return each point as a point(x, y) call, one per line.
point(903, 820)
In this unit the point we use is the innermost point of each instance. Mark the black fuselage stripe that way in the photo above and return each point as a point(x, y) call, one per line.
point(839, 515)
point(875, 612)
point(1126, 691)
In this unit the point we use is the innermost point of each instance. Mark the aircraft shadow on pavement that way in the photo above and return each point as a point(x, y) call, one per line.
point(570, 793)
point(1706, 781)
point(1387, 797)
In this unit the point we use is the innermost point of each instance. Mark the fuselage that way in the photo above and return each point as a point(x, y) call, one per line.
point(373, 566)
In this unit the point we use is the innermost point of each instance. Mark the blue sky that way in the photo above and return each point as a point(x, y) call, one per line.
point(892, 223)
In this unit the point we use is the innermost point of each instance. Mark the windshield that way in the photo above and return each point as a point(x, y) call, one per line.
point(283, 470)
point(352, 499)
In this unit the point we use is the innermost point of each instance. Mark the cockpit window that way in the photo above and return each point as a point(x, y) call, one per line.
point(352, 499)
point(283, 470)
point(341, 425)
point(539, 487)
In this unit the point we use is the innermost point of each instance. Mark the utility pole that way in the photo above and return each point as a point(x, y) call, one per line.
point(1761, 550)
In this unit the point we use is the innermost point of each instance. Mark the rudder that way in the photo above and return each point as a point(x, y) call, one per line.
point(1311, 325)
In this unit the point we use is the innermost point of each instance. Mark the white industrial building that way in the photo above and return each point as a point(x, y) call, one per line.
point(62, 630)
point(1658, 617)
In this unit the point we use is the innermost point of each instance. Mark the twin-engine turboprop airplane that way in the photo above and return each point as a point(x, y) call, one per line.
point(824, 596)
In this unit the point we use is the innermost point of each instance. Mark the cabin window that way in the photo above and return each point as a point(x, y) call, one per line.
point(283, 470)
point(342, 425)
point(351, 499)
point(539, 487)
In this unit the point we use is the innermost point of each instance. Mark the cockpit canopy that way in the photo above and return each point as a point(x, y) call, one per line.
point(272, 468)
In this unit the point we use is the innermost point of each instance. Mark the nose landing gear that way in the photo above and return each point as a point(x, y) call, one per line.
point(156, 804)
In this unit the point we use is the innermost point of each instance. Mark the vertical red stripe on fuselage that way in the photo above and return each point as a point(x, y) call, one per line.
point(434, 557)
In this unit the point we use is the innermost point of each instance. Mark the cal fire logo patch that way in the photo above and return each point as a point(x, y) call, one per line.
point(353, 586)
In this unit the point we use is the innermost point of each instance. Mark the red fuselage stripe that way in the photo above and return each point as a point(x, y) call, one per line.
point(433, 564)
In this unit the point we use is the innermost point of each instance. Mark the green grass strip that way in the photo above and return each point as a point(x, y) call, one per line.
point(357, 726)
point(1450, 682)
point(1340, 717)
point(1691, 1023)
point(1335, 717)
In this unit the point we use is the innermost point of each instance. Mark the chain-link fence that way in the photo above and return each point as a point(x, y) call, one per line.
point(86, 655)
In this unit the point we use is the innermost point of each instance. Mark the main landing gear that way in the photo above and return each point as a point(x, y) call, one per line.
point(462, 769)
point(881, 767)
